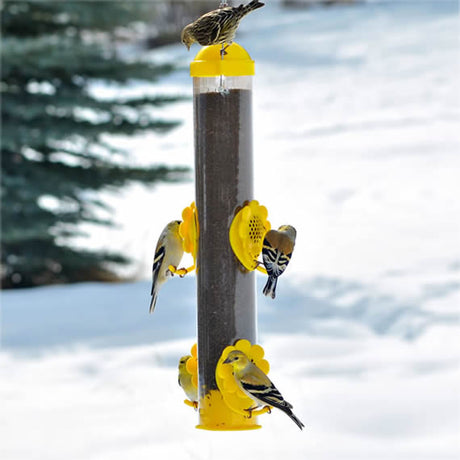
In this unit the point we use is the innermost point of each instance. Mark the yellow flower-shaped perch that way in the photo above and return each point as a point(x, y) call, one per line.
point(189, 231)
point(247, 232)
point(233, 396)
point(191, 367)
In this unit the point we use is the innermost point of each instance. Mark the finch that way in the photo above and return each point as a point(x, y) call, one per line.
point(169, 251)
point(276, 253)
point(257, 386)
point(218, 26)
point(185, 380)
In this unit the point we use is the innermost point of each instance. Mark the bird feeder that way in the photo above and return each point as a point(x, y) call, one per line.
point(222, 100)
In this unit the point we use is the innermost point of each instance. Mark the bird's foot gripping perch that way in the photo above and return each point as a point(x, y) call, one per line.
point(189, 403)
point(223, 51)
point(252, 411)
point(180, 271)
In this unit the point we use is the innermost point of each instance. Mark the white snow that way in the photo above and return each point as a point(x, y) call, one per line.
point(356, 144)
point(87, 373)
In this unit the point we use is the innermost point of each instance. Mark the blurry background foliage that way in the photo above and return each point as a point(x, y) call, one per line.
point(54, 155)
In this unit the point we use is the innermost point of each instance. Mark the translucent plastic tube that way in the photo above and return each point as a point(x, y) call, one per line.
point(224, 181)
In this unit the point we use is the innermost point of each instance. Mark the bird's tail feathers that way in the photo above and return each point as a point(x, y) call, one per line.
point(294, 418)
point(251, 6)
point(270, 287)
point(287, 409)
point(153, 301)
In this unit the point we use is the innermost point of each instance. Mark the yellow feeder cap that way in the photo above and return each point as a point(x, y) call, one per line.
point(209, 63)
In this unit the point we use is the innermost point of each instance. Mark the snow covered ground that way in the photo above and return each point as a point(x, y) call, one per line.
point(356, 114)
point(87, 374)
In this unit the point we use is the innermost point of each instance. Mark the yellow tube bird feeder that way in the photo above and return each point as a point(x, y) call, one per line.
point(222, 95)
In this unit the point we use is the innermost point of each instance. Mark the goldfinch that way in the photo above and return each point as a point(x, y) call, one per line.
point(169, 251)
point(218, 26)
point(255, 384)
point(276, 253)
point(185, 381)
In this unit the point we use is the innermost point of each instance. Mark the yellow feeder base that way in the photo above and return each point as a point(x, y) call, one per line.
point(215, 415)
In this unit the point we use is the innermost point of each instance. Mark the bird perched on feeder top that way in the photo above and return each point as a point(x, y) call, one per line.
point(169, 251)
point(276, 253)
point(218, 26)
point(257, 386)
point(185, 381)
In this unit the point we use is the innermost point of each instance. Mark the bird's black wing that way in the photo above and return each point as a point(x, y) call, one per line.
point(269, 395)
point(275, 262)
point(157, 261)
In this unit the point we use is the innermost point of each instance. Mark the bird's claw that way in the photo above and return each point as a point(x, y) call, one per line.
point(177, 271)
point(193, 404)
point(222, 51)
point(264, 410)
point(172, 270)
point(181, 272)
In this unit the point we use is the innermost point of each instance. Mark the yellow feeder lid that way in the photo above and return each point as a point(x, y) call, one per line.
point(209, 62)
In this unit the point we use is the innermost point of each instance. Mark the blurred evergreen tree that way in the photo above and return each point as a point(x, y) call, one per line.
point(52, 144)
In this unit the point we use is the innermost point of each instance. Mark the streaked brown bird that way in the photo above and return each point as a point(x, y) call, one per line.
point(218, 26)
point(276, 253)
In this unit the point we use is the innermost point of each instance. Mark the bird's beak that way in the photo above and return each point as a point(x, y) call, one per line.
point(188, 47)
point(227, 361)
